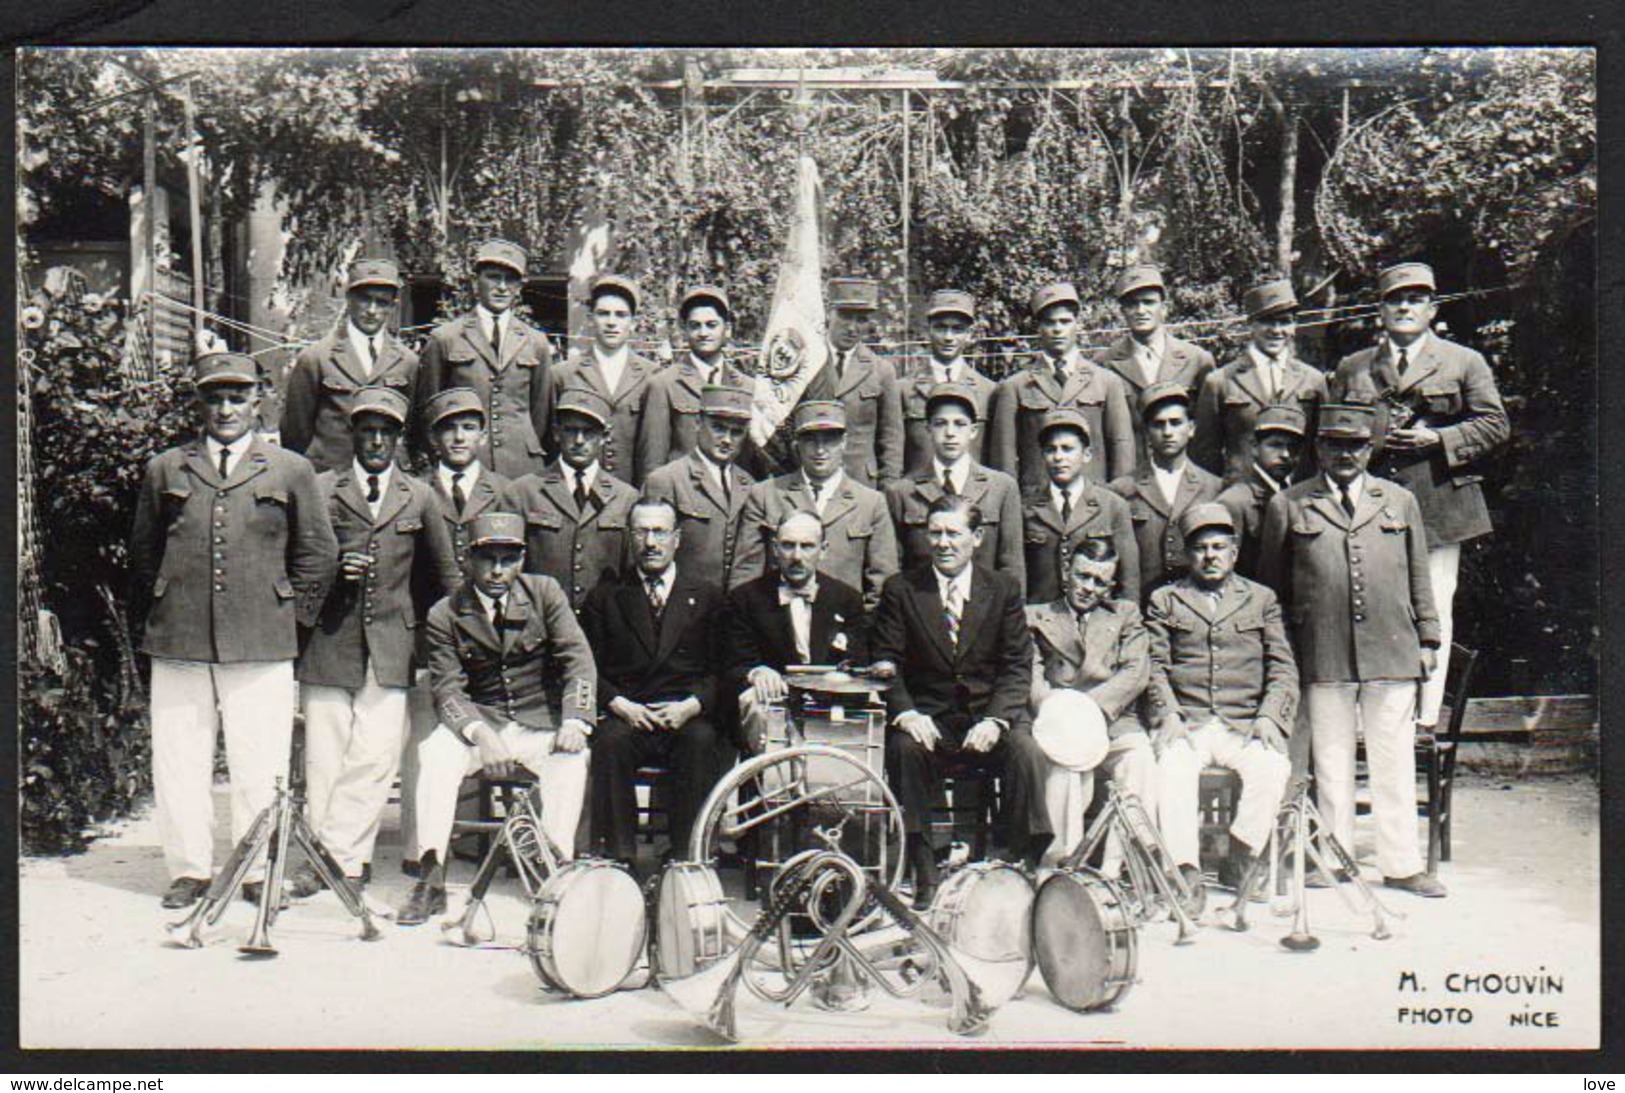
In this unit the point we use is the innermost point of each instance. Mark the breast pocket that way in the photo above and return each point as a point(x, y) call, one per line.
point(337, 387)
point(270, 516)
point(1440, 402)
point(172, 507)
point(914, 406)
point(695, 511)
point(408, 525)
point(1034, 398)
point(543, 520)
point(463, 367)
point(1035, 535)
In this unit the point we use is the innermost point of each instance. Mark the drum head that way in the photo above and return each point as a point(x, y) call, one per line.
point(1071, 936)
point(1071, 730)
point(687, 912)
point(990, 912)
point(597, 929)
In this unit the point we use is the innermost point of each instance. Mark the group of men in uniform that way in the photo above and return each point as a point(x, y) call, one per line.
point(598, 569)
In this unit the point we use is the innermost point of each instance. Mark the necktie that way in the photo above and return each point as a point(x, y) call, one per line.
point(1066, 507)
point(727, 491)
point(225, 455)
point(372, 489)
point(458, 497)
point(496, 337)
point(948, 483)
point(1267, 373)
point(1346, 500)
point(581, 493)
point(657, 599)
point(840, 366)
point(372, 354)
point(950, 614)
point(496, 614)
point(1403, 361)
point(1060, 371)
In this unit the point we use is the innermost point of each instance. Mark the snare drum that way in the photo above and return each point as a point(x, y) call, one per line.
point(690, 912)
point(587, 928)
point(984, 913)
point(1086, 940)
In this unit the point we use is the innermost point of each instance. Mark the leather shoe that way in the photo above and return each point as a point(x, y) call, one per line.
point(254, 889)
point(423, 904)
point(1421, 884)
point(411, 868)
point(304, 882)
point(183, 892)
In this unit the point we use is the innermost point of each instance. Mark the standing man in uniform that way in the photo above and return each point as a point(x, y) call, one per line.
point(1438, 415)
point(1161, 492)
point(1347, 552)
point(514, 685)
point(671, 408)
point(231, 554)
point(950, 320)
point(1148, 354)
point(610, 370)
point(574, 510)
point(1268, 373)
point(356, 668)
point(708, 488)
point(862, 545)
point(1071, 509)
point(864, 385)
point(327, 377)
point(506, 361)
point(1277, 450)
point(955, 431)
point(1060, 376)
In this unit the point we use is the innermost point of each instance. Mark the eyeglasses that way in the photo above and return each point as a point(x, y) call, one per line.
point(657, 534)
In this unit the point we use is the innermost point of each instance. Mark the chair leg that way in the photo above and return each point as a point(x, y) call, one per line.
point(1434, 810)
point(1447, 787)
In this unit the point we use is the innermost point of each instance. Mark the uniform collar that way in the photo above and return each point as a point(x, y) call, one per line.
point(470, 473)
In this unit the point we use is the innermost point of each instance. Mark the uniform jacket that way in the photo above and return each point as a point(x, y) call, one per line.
point(861, 547)
point(626, 402)
point(645, 661)
point(1357, 593)
point(538, 672)
point(874, 414)
point(671, 412)
point(226, 571)
point(759, 632)
point(515, 390)
point(1098, 514)
point(485, 494)
point(1246, 501)
point(989, 672)
point(377, 618)
point(994, 492)
point(322, 384)
point(1156, 523)
point(1452, 389)
point(710, 527)
point(1109, 659)
point(1228, 405)
point(1233, 660)
point(578, 549)
point(1182, 363)
point(914, 388)
point(1022, 400)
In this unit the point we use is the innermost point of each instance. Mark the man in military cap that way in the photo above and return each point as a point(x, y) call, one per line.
point(506, 361)
point(1060, 375)
point(1267, 373)
point(1347, 553)
point(362, 355)
point(864, 385)
point(610, 370)
point(708, 488)
point(575, 510)
point(671, 408)
point(1224, 690)
point(1439, 415)
point(1070, 509)
point(862, 545)
point(231, 555)
point(514, 685)
point(955, 430)
point(1148, 354)
point(950, 318)
point(1161, 491)
point(1277, 451)
point(355, 670)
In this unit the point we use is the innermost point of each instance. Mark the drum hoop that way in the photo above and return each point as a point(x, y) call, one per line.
point(545, 913)
point(1121, 936)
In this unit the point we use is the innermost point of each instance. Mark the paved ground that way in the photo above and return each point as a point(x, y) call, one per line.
point(96, 970)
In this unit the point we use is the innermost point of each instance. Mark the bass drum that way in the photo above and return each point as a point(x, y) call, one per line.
point(985, 914)
point(690, 921)
point(1086, 940)
point(588, 928)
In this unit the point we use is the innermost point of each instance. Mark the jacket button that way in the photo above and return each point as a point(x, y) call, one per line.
point(1359, 618)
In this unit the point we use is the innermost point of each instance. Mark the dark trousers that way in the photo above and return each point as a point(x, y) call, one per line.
point(618, 750)
point(915, 776)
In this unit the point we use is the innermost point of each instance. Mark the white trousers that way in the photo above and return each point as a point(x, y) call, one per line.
point(420, 722)
point(1386, 710)
point(352, 750)
point(1263, 771)
point(1068, 795)
point(444, 761)
point(192, 701)
point(1444, 566)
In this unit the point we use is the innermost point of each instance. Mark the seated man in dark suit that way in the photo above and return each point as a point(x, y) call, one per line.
point(954, 635)
point(790, 616)
point(654, 635)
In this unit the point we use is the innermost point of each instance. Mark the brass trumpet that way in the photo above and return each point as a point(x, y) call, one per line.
point(1151, 867)
point(188, 932)
point(521, 841)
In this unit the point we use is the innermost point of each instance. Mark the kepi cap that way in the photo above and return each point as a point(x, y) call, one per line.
point(1064, 417)
point(500, 252)
point(213, 369)
point(1135, 278)
point(1269, 298)
point(1061, 292)
point(373, 271)
point(586, 402)
point(950, 301)
point(496, 529)
point(853, 294)
point(819, 416)
point(1208, 514)
point(1159, 393)
point(1280, 419)
point(613, 284)
point(1342, 421)
point(453, 401)
point(718, 400)
point(383, 401)
point(1406, 275)
point(951, 392)
point(705, 294)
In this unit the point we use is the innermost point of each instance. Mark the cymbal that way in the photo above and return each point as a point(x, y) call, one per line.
point(829, 680)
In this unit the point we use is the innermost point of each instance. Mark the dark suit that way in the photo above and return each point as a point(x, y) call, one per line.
point(987, 675)
point(996, 495)
point(1097, 514)
point(759, 633)
point(1156, 523)
point(576, 548)
point(323, 383)
point(647, 660)
point(1228, 406)
point(514, 389)
point(1182, 363)
point(619, 454)
point(710, 524)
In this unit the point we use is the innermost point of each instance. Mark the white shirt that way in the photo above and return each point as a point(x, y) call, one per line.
point(1168, 481)
point(361, 476)
point(955, 591)
point(585, 477)
point(487, 604)
point(489, 317)
point(1149, 355)
point(1356, 489)
point(470, 473)
point(1059, 495)
point(708, 372)
point(366, 348)
point(959, 472)
point(712, 467)
point(1071, 361)
point(1269, 368)
point(821, 496)
point(612, 367)
point(947, 373)
point(238, 448)
point(1412, 352)
point(664, 582)
point(800, 617)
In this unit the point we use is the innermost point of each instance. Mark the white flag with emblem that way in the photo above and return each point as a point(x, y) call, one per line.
point(795, 345)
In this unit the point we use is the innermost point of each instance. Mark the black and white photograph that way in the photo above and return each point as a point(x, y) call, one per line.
point(1085, 549)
